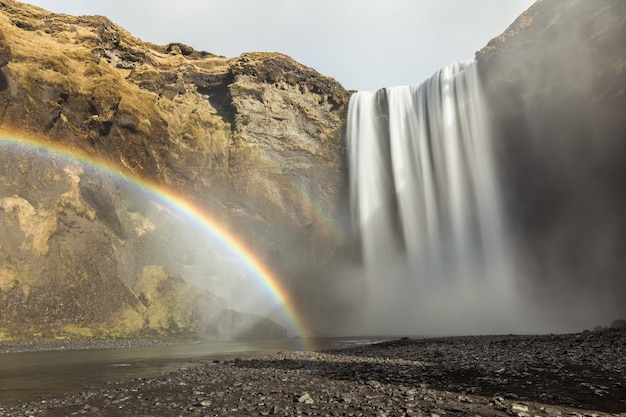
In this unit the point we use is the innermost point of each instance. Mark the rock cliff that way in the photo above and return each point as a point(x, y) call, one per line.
point(556, 87)
point(255, 140)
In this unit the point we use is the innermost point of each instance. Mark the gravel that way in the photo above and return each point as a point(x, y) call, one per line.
point(49, 345)
point(549, 375)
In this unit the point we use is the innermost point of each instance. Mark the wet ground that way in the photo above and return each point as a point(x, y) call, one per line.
point(550, 375)
point(29, 370)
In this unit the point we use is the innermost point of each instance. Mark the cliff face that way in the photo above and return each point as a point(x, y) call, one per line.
point(556, 86)
point(255, 140)
point(83, 255)
point(205, 125)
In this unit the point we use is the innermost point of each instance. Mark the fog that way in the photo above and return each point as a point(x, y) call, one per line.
point(427, 208)
point(523, 233)
point(186, 246)
point(555, 107)
point(560, 126)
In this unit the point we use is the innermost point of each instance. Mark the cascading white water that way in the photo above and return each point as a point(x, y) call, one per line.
point(426, 205)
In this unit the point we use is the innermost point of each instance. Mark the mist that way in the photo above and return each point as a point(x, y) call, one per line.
point(427, 208)
point(183, 247)
point(554, 113)
point(507, 219)
point(558, 123)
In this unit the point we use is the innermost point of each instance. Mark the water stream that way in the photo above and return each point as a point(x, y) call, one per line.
point(425, 203)
point(27, 376)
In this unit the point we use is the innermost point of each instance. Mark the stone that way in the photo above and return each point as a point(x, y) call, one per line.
point(305, 398)
point(618, 324)
point(515, 407)
point(259, 384)
point(498, 401)
point(179, 49)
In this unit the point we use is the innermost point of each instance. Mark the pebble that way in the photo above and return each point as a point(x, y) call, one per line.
point(51, 345)
point(306, 399)
point(410, 377)
point(519, 407)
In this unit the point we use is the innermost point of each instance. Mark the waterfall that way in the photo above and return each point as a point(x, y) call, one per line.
point(425, 202)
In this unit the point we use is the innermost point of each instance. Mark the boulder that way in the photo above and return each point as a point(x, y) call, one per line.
point(618, 324)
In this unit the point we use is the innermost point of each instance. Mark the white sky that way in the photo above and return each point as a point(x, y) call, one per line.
point(363, 44)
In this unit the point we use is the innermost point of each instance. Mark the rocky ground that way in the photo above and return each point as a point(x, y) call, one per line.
point(38, 346)
point(551, 375)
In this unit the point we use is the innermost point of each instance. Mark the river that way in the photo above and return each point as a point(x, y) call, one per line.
point(27, 376)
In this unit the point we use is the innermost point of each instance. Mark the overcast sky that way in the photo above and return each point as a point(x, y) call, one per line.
point(364, 44)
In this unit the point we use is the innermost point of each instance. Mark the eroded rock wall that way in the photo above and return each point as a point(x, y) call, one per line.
point(255, 140)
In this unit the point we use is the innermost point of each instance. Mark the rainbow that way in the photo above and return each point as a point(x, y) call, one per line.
point(182, 206)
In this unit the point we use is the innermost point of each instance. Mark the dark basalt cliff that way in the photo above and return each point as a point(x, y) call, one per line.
point(255, 140)
point(556, 87)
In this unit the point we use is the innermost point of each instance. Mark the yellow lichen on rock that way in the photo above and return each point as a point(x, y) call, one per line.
point(7, 278)
point(36, 225)
point(251, 140)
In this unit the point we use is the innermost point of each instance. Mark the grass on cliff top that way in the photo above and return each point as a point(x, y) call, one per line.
point(64, 51)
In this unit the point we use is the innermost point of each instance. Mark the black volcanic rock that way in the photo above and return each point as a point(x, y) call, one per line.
point(491, 376)
point(618, 324)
